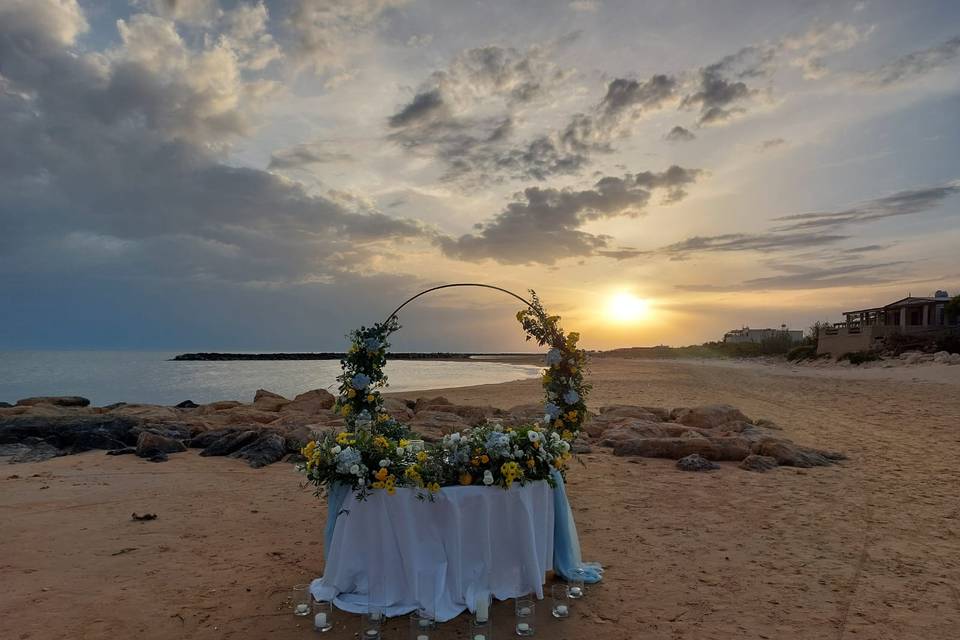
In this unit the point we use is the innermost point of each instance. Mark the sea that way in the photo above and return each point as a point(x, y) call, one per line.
point(151, 377)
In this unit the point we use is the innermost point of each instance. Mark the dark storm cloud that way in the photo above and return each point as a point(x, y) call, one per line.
point(545, 224)
point(679, 134)
point(916, 64)
point(110, 161)
point(902, 203)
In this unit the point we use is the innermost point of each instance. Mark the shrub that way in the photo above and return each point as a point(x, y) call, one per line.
point(859, 357)
point(803, 352)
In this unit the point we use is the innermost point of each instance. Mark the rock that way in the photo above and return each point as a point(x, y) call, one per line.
point(115, 405)
point(757, 463)
point(296, 439)
point(398, 409)
point(187, 404)
point(222, 405)
point(173, 431)
point(229, 442)
point(243, 415)
point(581, 444)
point(433, 425)
point(523, 414)
point(311, 402)
point(788, 454)
point(662, 414)
point(472, 415)
point(955, 358)
point(122, 452)
point(627, 411)
point(57, 401)
point(942, 357)
point(767, 424)
point(675, 448)
point(71, 434)
point(708, 416)
point(152, 445)
point(268, 401)
point(267, 449)
point(5, 405)
point(33, 451)
point(420, 403)
point(696, 462)
point(148, 412)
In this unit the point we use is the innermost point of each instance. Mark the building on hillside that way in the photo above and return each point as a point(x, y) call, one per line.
point(746, 334)
point(866, 329)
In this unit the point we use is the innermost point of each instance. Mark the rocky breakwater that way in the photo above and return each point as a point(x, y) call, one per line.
point(699, 435)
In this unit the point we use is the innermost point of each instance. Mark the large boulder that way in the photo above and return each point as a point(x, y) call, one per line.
point(398, 409)
point(214, 407)
point(433, 425)
point(524, 414)
point(243, 415)
point(229, 441)
point(675, 448)
point(268, 401)
point(708, 416)
point(470, 414)
point(154, 446)
point(33, 450)
point(270, 447)
point(71, 434)
point(630, 411)
point(788, 454)
point(56, 401)
point(311, 402)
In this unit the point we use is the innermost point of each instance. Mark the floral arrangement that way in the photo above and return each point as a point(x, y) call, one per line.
point(377, 452)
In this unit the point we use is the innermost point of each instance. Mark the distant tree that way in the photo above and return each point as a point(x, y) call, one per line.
point(952, 309)
point(814, 331)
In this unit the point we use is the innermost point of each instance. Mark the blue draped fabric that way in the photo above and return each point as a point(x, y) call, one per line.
point(567, 562)
point(335, 496)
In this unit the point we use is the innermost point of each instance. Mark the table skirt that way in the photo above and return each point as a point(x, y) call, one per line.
point(399, 553)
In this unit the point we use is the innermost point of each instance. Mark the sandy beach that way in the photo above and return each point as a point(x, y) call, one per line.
point(867, 549)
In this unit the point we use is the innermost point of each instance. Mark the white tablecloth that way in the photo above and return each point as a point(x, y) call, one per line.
point(400, 553)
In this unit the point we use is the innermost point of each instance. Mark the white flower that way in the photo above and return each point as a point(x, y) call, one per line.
point(384, 463)
point(455, 438)
point(335, 450)
point(400, 451)
point(355, 469)
point(487, 477)
point(533, 436)
point(547, 419)
point(565, 446)
point(555, 436)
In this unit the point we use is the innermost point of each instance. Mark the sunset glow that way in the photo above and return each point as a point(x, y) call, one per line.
point(626, 307)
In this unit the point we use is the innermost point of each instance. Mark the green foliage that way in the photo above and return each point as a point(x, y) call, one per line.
point(802, 352)
point(859, 357)
point(952, 309)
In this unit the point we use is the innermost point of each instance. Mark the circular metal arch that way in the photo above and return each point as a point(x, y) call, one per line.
point(457, 284)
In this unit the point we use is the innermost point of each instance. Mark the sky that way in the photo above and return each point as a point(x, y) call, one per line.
point(195, 174)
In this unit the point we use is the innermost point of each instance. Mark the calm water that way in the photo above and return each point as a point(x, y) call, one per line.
point(149, 377)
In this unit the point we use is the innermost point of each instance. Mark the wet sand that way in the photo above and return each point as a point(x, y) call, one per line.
point(868, 549)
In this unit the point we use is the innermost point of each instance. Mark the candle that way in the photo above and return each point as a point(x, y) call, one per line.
point(523, 627)
point(301, 609)
point(576, 592)
point(374, 615)
point(479, 636)
point(372, 633)
point(320, 620)
point(525, 611)
point(483, 609)
point(421, 637)
point(562, 609)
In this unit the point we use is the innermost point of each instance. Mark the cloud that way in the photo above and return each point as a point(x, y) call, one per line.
point(859, 275)
point(762, 242)
point(771, 143)
point(915, 64)
point(679, 134)
point(302, 155)
point(119, 155)
point(901, 203)
point(544, 225)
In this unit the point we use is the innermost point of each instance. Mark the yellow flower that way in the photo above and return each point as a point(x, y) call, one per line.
point(346, 409)
point(377, 485)
point(381, 442)
point(422, 456)
point(351, 393)
point(475, 462)
point(370, 397)
point(466, 478)
point(307, 451)
point(382, 417)
point(531, 462)
point(391, 490)
point(433, 487)
point(381, 475)
point(404, 443)
point(485, 459)
point(567, 435)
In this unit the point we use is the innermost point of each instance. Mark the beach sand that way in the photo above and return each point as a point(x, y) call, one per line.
point(868, 549)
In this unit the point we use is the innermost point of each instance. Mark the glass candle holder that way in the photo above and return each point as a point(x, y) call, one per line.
point(525, 610)
point(480, 630)
point(560, 600)
point(371, 623)
point(576, 585)
point(301, 600)
point(481, 614)
point(421, 625)
point(322, 615)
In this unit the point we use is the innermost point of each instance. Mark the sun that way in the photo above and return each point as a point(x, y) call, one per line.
point(626, 307)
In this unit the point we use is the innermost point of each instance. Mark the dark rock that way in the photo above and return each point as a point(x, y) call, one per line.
point(152, 445)
point(267, 449)
point(115, 405)
point(230, 442)
point(5, 405)
point(158, 456)
point(696, 462)
point(35, 451)
point(204, 439)
point(297, 439)
point(757, 463)
point(71, 434)
point(675, 448)
point(187, 404)
point(144, 518)
point(788, 454)
point(172, 430)
point(57, 401)
point(122, 452)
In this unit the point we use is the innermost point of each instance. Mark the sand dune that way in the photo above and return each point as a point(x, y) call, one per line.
point(866, 549)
